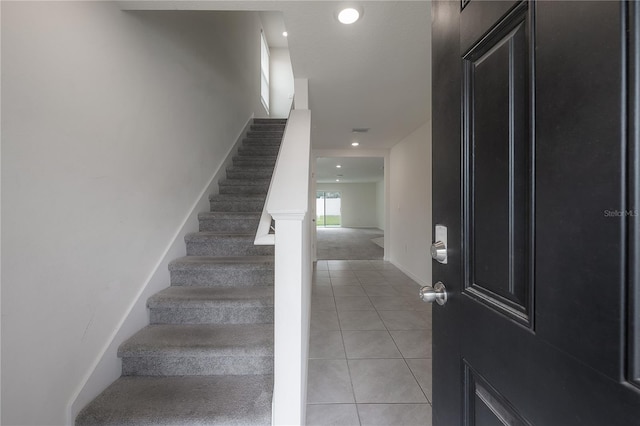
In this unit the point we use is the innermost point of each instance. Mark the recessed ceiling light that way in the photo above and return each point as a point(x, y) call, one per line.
point(355, 143)
point(348, 15)
point(338, 166)
point(285, 34)
point(337, 180)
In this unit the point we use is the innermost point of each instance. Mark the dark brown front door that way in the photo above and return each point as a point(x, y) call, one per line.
point(535, 171)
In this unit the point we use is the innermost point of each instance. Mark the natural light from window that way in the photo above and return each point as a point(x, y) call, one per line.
point(264, 72)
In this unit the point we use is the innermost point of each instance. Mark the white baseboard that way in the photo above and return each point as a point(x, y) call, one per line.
point(419, 280)
point(107, 367)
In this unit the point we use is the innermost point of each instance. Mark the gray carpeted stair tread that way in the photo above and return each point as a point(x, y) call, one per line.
point(211, 297)
point(245, 168)
point(269, 120)
point(257, 157)
point(186, 401)
point(254, 134)
point(249, 160)
point(206, 235)
point(244, 189)
point(229, 221)
point(200, 340)
point(244, 182)
point(259, 150)
point(229, 215)
point(237, 197)
point(268, 126)
point(209, 262)
point(262, 142)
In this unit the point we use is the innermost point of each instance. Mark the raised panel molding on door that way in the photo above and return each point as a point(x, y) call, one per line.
point(484, 405)
point(498, 167)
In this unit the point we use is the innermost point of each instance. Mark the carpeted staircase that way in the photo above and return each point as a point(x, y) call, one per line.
point(207, 356)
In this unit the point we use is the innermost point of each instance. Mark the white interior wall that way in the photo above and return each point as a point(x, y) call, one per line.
point(113, 124)
point(410, 205)
point(380, 202)
point(359, 205)
point(281, 82)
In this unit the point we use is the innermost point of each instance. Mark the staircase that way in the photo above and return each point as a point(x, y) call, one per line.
point(207, 356)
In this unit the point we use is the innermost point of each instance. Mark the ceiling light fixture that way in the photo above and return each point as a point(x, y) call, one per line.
point(338, 166)
point(285, 34)
point(348, 15)
point(337, 180)
point(355, 143)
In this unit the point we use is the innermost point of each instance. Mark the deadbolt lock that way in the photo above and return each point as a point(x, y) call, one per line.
point(439, 251)
point(439, 248)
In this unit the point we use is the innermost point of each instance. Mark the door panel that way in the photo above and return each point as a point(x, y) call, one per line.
point(536, 128)
point(484, 405)
point(497, 167)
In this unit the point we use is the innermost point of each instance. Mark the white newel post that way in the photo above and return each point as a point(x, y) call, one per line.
point(291, 317)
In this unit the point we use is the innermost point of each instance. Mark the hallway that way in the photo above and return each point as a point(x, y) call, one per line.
point(370, 346)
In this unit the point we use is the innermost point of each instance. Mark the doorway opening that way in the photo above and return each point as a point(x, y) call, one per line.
point(328, 209)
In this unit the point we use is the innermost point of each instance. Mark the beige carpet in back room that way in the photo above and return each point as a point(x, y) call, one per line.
point(349, 244)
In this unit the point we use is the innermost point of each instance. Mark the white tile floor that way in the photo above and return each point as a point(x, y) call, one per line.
point(370, 347)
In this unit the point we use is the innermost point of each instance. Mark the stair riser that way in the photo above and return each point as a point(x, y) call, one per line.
point(196, 366)
point(212, 315)
point(257, 151)
point(248, 173)
point(244, 189)
point(236, 206)
point(218, 247)
point(229, 225)
point(223, 277)
point(259, 134)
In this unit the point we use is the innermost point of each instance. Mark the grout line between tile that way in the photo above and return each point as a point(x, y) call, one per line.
point(346, 359)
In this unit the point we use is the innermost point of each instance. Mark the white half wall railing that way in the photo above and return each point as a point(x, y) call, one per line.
point(288, 204)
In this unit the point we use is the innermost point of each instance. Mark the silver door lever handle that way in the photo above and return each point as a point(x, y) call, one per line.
point(437, 293)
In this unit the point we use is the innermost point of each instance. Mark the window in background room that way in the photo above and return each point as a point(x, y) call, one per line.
point(328, 208)
point(264, 72)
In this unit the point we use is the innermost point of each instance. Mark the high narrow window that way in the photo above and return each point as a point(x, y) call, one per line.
point(264, 72)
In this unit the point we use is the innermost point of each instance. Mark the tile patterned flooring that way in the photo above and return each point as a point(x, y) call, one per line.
point(370, 347)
